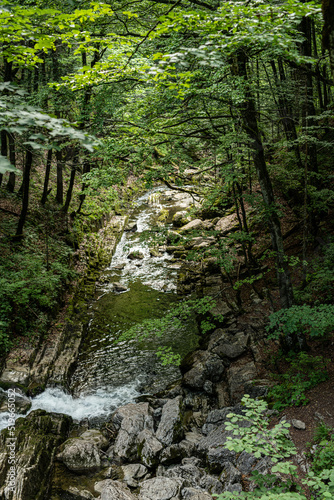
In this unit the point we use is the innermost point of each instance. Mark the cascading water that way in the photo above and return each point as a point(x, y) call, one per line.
point(110, 373)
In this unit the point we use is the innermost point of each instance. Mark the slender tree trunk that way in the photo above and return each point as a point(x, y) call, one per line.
point(25, 200)
point(71, 184)
point(47, 177)
point(3, 136)
point(60, 185)
point(12, 159)
point(252, 130)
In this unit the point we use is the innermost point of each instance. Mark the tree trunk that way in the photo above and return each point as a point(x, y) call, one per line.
point(60, 186)
point(3, 136)
point(46, 178)
point(12, 159)
point(249, 117)
point(71, 184)
point(25, 200)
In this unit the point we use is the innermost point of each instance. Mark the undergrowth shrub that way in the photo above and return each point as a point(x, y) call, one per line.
point(30, 289)
point(304, 373)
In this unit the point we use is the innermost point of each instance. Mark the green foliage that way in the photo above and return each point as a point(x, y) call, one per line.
point(173, 320)
point(304, 372)
point(323, 457)
point(320, 281)
point(251, 433)
point(29, 289)
point(317, 321)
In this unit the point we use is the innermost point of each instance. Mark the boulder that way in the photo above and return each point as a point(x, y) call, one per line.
point(195, 494)
point(192, 226)
point(229, 474)
point(160, 488)
point(133, 473)
point(80, 456)
point(149, 448)
point(118, 287)
point(189, 473)
point(96, 437)
point(180, 218)
point(212, 448)
point(237, 376)
point(130, 419)
point(227, 224)
point(170, 426)
point(211, 484)
point(136, 255)
point(113, 490)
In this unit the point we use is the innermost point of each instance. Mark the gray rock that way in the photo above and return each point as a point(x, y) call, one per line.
point(233, 488)
point(229, 474)
point(237, 376)
point(213, 449)
point(133, 473)
point(118, 287)
point(96, 437)
point(136, 255)
point(227, 224)
point(176, 452)
point(113, 490)
point(22, 402)
point(190, 474)
point(160, 488)
point(80, 456)
point(131, 419)
point(195, 494)
point(149, 448)
point(131, 226)
point(246, 462)
point(170, 426)
point(211, 484)
point(206, 366)
point(180, 218)
point(191, 226)
point(298, 424)
point(216, 418)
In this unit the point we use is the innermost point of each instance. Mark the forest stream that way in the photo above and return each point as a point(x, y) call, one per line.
point(110, 373)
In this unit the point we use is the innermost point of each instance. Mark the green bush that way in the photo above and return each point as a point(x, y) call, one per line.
point(30, 290)
point(305, 372)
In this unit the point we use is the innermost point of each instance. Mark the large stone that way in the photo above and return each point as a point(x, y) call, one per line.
point(80, 456)
point(246, 462)
point(113, 490)
point(149, 448)
point(96, 437)
point(195, 494)
point(227, 224)
point(216, 418)
point(133, 473)
point(190, 474)
point(36, 438)
point(180, 218)
point(212, 447)
point(192, 226)
point(211, 484)
point(207, 366)
point(229, 474)
point(160, 488)
point(170, 426)
point(131, 419)
point(238, 375)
